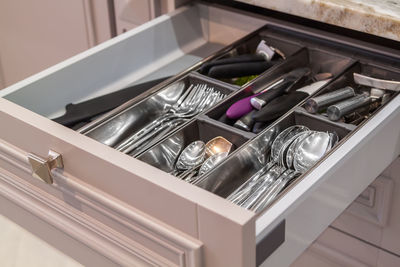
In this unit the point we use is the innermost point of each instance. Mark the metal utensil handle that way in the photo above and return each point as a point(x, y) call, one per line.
point(273, 191)
point(377, 83)
point(267, 182)
point(315, 104)
point(246, 186)
point(338, 110)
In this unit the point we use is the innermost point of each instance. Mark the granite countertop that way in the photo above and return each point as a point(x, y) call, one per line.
point(378, 17)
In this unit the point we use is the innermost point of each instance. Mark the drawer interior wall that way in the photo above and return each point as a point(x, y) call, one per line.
point(163, 47)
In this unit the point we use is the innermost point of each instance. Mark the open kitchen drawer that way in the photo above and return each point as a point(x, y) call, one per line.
point(108, 208)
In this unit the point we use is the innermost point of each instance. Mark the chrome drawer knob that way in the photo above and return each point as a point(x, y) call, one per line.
point(41, 168)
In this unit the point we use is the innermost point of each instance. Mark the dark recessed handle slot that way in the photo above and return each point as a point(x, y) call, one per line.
point(270, 243)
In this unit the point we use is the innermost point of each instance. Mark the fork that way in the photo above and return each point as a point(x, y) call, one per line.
point(193, 101)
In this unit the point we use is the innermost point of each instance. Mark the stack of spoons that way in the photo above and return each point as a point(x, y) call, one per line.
point(294, 151)
point(198, 158)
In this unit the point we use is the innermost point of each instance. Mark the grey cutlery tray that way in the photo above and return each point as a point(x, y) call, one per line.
point(320, 54)
point(249, 46)
point(252, 156)
point(165, 153)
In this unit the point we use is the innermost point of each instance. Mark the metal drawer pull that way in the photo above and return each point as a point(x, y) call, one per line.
point(41, 168)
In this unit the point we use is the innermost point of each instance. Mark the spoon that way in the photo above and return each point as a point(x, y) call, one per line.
point(211, 162)
point(191, 164)
point(217, 145)
point(283, 137)
point(292, 146)
point(191, 156)
point(307, 152)
point(310, 150)
point(247, 189)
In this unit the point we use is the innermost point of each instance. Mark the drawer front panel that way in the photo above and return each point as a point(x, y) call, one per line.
point(88, 222)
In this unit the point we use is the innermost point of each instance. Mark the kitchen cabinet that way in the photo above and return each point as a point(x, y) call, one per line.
point(36, 35)
point(104, 207)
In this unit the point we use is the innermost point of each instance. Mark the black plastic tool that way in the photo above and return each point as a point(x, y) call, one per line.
point(234, 70)
point(284, 85)
point(84, 111)
point(279, 106)
point(205, 68)
point(284, 103)
point(246, 122)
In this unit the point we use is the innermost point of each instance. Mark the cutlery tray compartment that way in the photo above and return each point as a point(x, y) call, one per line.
point(347, 79)
point(319, 61)
point(246, 161)
point(249, 47)
point(131, 120)
point(164, 154)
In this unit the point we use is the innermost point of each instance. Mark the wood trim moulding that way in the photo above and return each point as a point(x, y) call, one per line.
point(100, 222)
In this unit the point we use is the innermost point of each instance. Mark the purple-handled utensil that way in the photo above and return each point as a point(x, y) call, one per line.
point(240, 108)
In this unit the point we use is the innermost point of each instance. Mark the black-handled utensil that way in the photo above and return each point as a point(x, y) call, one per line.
point(284, 103)
point(279, 106)
point(230, 60)
point(284, 84)
point(84, 111)
point(234, 70)
point(246, 122)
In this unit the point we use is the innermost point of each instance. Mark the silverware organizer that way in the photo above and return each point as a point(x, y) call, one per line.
point(320, 53)
point(242, 164)
point(200, 129)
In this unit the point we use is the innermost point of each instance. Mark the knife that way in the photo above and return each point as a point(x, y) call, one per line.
point(279, 87)
point(284, 84)
point(284, 103)
point(84, 111)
